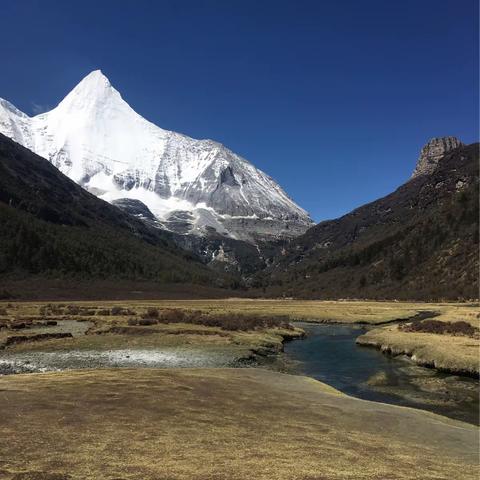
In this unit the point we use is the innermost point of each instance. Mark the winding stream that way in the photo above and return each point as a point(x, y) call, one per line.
point(329, 354)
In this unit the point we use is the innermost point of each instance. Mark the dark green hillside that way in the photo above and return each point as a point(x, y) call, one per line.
point(52, 227)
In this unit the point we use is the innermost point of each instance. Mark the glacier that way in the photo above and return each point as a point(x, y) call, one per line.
point(191, 186)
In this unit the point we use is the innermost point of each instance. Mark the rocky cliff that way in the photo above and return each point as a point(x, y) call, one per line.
point(433, 152)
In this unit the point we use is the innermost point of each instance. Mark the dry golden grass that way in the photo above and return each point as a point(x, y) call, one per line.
point(455, 313)
point(313, 310)
point(457, 354)
point(116, 331)
point(238, 344)
point(217, 424)
point(220, 423)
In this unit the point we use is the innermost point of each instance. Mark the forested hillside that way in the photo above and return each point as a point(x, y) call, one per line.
point(53, 228)
point(420, 242)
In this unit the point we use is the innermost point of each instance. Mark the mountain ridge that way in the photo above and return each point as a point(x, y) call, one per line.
point(94, 137)
point(419, 242)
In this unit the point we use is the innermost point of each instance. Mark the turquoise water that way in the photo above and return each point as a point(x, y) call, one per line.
point(329, 354)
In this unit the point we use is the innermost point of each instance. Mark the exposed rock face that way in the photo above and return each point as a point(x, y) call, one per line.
point(433, 152)
point(216, 250)
point(136, 208)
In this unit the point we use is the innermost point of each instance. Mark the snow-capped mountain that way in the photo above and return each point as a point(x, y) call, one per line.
point(94, 137)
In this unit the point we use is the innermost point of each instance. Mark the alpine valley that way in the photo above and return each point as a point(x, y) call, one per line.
point(190, 308)
point(170, 192)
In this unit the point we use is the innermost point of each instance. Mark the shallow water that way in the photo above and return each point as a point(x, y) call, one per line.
point(12, 361)
point(329, 354)
point(166, 357)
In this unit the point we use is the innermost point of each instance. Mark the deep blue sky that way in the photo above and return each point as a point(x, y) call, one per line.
point(333, 98)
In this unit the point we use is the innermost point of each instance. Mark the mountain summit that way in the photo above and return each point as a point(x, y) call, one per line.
point(191, 186)
point(433, 152)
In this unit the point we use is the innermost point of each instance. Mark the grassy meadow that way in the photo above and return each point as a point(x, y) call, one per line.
point(243, 326)
point(370, 312)
point(223, 424)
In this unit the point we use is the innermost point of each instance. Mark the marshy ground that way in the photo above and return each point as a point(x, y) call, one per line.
point(223, 322)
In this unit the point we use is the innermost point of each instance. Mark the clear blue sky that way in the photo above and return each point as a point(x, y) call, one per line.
point(333, 98)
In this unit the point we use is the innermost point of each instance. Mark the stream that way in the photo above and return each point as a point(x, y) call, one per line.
point(329, 354)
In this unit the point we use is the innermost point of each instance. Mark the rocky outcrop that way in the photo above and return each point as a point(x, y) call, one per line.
point(218, 251)
point(136, 208)
point(433, 152)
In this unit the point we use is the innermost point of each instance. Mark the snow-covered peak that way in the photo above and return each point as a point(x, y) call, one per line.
point(94, 81)
point(94, 137)
point(94, 91)
point(95, 76)
point(94, 85)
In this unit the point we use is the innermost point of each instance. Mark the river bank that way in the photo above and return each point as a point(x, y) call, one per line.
point(458, 355)
point(115, 380)
point(329, 353)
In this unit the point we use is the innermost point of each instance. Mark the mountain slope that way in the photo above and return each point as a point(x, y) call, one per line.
point(420, 242)
point(94, 137)
point(54, 228)
point(221, 253)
